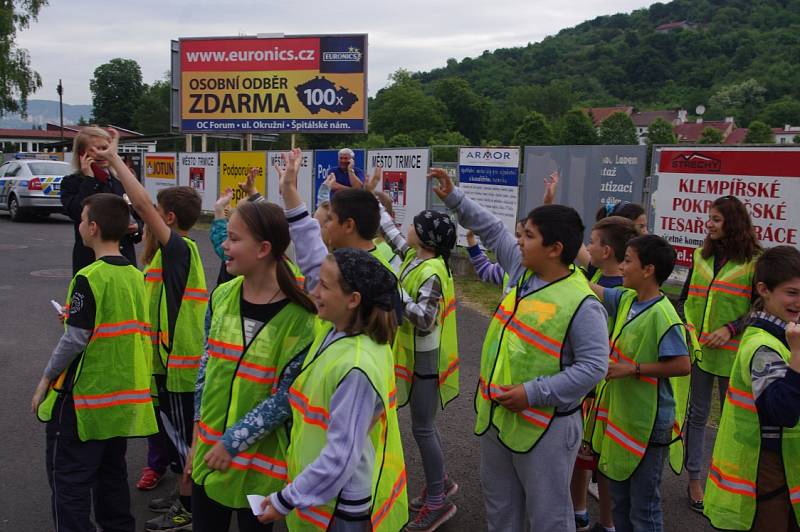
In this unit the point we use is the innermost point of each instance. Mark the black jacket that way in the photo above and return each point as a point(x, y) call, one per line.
point(74, 189)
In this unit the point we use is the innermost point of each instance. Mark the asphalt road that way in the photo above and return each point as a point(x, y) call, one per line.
point(35, 266)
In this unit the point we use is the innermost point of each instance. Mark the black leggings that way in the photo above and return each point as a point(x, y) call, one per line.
point(210, 516)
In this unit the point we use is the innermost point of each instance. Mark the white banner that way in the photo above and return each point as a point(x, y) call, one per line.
point(159, 171)
point(200, 170)
point(305, 179)
point(490, 177)
point(405, 173)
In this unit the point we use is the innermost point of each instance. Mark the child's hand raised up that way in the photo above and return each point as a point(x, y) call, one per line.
point(374, 180)
point(550, 186)
point(249, 185)
point(287, 178)
point(445, 186)
point(222, 203)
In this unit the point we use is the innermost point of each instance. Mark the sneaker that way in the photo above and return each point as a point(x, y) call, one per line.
point(149, 479)
point(597, 528)
point(428, 520)
point(582, 522)
point(416, 504)
point(163, 504)
point(177, 518)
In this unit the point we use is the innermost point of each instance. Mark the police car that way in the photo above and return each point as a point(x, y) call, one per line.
point(31, 186)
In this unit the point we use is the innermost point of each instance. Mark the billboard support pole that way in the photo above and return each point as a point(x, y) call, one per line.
point(248, 141)
point(292, 140)
point(203, 142)
point(188, 142)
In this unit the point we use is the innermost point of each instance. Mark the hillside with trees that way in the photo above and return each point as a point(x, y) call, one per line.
point(738, 58)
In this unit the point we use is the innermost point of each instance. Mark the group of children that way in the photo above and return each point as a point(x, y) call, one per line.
point(292, 392)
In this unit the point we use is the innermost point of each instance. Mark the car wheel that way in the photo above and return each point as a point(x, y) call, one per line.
point(14, 209)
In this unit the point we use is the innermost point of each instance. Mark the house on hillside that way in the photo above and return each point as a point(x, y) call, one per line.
point(786, 134)
point(690, 132)
point(642, 120)
point(598, 114)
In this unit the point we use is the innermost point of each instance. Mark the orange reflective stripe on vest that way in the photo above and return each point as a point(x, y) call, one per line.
point(733, 289)
point(698, 290)
point(794, 495)
point(261, 463)
point(401, 372)
point(624, 439)
point(529, 335)
point(315, 516)
point(617, 355)
point(195, 294)
point(730, 483)
point(183, 361)
point(741, 399)
point(393, 398)
point(452, 368)
point(106, 400)
point(383, 511)
point(109, 330)
point(313, 415)
point(207, 434)
point(532, 415)
point(257, 373)
point(224, 350)
point(450, 307)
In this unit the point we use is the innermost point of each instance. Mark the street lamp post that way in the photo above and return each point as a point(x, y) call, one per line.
point(60, 90)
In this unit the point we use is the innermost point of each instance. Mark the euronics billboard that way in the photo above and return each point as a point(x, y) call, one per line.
point(310, 83)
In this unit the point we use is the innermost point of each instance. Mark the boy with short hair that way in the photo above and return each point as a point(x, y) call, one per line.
point(636, 418)
point(95, 391)
point(606, 249)
point(754, 482)
point(177, 297)
point(546, 347)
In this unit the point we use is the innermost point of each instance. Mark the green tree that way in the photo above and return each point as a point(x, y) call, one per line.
point(370, 141)
point(796, 139)
point(781, 112)
point(759, 133)
point(711, 135)
point(18, 79)
point(444, 146)
point(152, 114)
point(660, 132)
point(741, 100)
point(576, 128)
point(401, 140)
point(404, 108)
point(116, 89)
point(618, 129)
point(534, 131)
point(467, 111)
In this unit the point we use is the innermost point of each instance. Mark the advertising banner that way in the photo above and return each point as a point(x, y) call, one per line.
point(689, 179)
point(293, 84)
point(591, 176)
point(234, 166)
point(490, 177)
point(405, 173)
point(199, 170)
point(324, 163)
point(305, 179)
point(159, 172)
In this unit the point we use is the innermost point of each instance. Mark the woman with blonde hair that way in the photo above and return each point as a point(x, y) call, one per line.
point(92, 176)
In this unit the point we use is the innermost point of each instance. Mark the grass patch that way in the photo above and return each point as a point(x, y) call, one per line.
point(477, 295)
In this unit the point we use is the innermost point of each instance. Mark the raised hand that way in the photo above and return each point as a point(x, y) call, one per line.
point(550, 186)
point(86, 165)
point(445, 186)
point(374, 180)
point(249, 185)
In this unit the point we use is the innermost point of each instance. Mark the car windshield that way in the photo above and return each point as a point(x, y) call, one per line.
point(49, 168)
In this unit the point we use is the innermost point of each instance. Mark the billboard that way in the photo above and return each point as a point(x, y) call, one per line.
point(490, 177)
point(591, 176)
point(160, 171)
point(404, 179)
point(689, 179)
point(234, 166)
point(292, 84)
point(305, 177)
point(199, 170)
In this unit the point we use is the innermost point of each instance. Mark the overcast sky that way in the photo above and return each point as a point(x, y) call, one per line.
point(69, 42)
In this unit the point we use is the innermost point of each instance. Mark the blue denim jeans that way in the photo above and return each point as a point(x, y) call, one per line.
point(637, 501)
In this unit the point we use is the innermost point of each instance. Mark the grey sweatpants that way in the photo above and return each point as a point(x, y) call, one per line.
point(530, 491)
point(702, 384)
point(424, 403)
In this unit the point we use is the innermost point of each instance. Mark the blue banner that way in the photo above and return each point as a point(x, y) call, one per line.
point(327, 160)
point(316, 125)
point(488, 175)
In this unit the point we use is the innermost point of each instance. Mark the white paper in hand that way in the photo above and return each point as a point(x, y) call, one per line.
point(255, 503)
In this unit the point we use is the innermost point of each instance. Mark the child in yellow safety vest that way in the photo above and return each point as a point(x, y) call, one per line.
point(606, 249)
point(175, 285)
point(426, 354)
point(636, 412)
point(261, 326)
point(95, 391)
point(754, 482)
point(716, 301)
point(546, 348)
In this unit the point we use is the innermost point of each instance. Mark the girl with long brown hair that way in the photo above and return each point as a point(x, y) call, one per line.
point(716, 302)
point(261, 327)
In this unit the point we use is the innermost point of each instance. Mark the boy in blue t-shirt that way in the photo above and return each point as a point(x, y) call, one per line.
point(634, 441)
